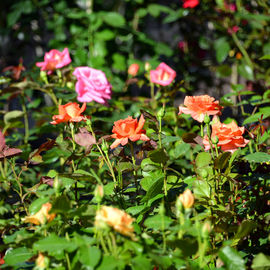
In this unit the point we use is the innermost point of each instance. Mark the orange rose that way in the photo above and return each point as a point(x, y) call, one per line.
point(115, 218)
point(42, 216)
point(230, 136)
point(128, 128)
point(187, 199)
point(70, 112)
point(199, 106)
point(133, 69)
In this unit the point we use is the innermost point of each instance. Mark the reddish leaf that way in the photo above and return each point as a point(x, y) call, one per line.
point(84, 138)
point(2, 141)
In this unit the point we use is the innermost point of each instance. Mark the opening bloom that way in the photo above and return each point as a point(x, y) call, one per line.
point(42, 216)
point(92, 85)
point(70, 112)
point(190, 3)
point(133, 69)
point(230, 136)
point(16, 70)
point(187, 199)
point(199, 106)
point(54, 59)
point(163, 75)
point(119, 220)
point(128, 128)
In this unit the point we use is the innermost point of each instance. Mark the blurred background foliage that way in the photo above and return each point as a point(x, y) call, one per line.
point(211, 46)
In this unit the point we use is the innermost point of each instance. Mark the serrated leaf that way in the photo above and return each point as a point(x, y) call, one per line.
point(261, 262)
point(114, 19)
point(203, 159)
point(222, 160)
point(258, 157)
point(89, 256)
point(202, 189)
point(157, 222)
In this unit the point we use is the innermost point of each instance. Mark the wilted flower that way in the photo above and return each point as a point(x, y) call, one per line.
point(163, 75)
point(70, 112)
point(133, 69)
point(16, 70)
point(42, 216)
point(115, 218)
point(230, 136)
point(54, 59)
point(199, 106)
point(187, 199)
point(190, 3)
point(92, 85)
point(128, 128)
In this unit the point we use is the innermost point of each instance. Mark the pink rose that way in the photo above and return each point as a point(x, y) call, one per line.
point(190, 3)
point(54, 59)
point(92, 85)
point(162, 75)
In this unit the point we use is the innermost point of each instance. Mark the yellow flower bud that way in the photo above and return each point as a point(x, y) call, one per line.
point(187, 199)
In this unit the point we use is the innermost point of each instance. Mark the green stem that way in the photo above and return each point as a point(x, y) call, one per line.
point(26, 123)
point(242, 50)
point(134, 164)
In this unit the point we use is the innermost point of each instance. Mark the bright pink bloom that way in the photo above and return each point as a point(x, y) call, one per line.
point(92, 85)
point(230, 7)
point(233, 29)
point(162, 75)
point(54, 59)
point(190, 3)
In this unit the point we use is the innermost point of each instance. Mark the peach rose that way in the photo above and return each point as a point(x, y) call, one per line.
point(163, 75)
point(187, 199)
point(92, 85)
point(128, 128)
point(133, 69)
point(42, 216)
point(54, 59)
point(230, 136)
point(70, 112)
point(119, 220)
point(199, 106)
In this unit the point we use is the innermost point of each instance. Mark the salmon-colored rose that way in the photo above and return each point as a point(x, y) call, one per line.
point(115, 218)
point(187, 199)
point(133, 69)
point(42, 216)
point(54, 59)
point(70, 112)
point(230, 136)
point(199, 106)
point(163, 75)
point(128, 128)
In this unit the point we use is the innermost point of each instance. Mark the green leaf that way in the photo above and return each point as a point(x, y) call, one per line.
point(154, 189)
point(203, 159)
point(12, 116)
point(243, 230)
point(140, 262)
point(110, 263)
point(89, 256)
point(158, 156)
point(134, 210)
point(231, 259)
point(114, 19)
point(17, 255)
point(256, 117)
point(36, 204)
point(258, 157)
point(157, 222)
point(222, 160)
point(61, 204)
point(261, 262)
point(246, 71)
point(222, 48)
point(54, 245)
point(202, 189)
point(265, 57)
